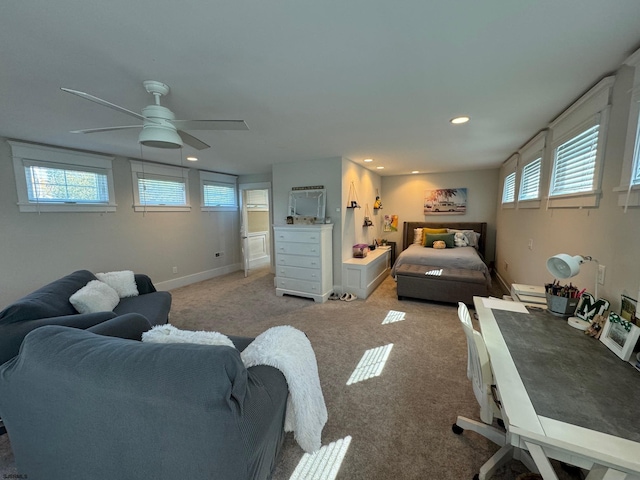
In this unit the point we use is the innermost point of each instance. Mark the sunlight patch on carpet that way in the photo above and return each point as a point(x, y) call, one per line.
point(323, 464)
point(371, 364)
point(393, 316)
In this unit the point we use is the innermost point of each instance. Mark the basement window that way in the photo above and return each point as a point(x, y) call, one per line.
point(52, 179)
point(577, 146)
point(219, 192)
point(160, 188)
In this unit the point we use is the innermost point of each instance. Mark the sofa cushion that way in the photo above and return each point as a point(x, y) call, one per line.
point(52, 300)
point(155, 306)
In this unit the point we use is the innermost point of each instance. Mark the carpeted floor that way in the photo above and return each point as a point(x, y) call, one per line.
point(400, 422)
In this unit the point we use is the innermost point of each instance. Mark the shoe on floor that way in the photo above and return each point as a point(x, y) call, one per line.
point(348, 297)
point(334, 296)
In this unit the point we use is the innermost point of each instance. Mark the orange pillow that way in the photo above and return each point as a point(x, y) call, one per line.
point(431, 231)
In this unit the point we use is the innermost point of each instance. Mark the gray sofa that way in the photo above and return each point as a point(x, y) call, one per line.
point(49, 305)
point(103, 408)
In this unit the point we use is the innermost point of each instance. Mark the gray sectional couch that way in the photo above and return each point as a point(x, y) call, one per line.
point(105, 408)
point(49, 305)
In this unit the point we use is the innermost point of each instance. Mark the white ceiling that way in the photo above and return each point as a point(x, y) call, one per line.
point(313, 80)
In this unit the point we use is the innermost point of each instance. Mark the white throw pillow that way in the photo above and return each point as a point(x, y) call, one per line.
point(95, 296)
point(123, 282)
point(460, 240)
point(170, 334)
point(417, 236)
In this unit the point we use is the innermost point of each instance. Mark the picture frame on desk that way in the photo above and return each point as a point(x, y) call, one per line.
point(620, 336)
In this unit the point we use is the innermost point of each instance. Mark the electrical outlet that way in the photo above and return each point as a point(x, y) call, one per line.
point(175, 269)
point(219, 254)
point(506, 266)
point(531, 244)
point(601, 270)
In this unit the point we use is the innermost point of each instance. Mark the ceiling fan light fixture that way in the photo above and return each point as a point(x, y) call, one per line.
point(160, 136)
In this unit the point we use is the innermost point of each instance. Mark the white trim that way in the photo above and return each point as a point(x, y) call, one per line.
point(23, 153)
point(197, 277)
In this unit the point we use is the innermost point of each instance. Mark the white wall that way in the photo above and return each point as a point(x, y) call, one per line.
point(605, 233)
point(403, 195)
point(38, 248)
point(325, 172)
point(365, 184)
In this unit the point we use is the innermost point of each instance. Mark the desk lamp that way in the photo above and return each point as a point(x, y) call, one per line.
point(567, 266)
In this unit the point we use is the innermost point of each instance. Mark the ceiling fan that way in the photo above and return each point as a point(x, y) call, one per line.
point(159, 127)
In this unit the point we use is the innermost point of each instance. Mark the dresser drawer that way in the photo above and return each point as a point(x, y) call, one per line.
point(311, 274)
point(297, 261)
point(298, 285)
point(298, 248)
point(297, 237)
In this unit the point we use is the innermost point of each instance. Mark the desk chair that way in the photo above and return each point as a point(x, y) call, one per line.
point(479, 372)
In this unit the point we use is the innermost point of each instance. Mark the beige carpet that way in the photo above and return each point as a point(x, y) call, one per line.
point(401, 421)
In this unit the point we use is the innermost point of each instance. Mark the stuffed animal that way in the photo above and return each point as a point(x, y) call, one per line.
point(439, 244)
point(595, 329)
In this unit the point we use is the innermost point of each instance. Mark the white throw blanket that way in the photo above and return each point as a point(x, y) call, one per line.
point(290, 351)
point(284, 348)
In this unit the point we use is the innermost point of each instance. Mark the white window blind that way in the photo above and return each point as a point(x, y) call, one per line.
point(219, 194)
point(159, 190)
point(509, 188)
point(635, 175)
point(575, 162)
point(530, 184)
point(64, 184)
point(51, 179)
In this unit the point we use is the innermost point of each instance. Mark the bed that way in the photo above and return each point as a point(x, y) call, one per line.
point(462, 268)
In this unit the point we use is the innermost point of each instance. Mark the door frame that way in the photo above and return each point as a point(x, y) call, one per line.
point(255, 186)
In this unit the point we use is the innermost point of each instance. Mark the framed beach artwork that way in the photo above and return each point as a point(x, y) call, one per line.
point(445, 201)
point(620, 336)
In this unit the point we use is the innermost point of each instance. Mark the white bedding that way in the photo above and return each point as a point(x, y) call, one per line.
point(459, 257)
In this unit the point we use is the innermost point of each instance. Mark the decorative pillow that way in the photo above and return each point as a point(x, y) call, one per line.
point(447, 238)
point(170, 334)
point(122, 282)
point(439, 244)
point(473, 238)
point(417, 236)
point(460, 239)
point(95, 296)
point(429, 231)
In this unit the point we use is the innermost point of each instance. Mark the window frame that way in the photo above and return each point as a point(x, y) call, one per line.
point(509, 169)
point(590, 109)
point(532, 151)
point(143, 169)
point(221, 179)
point(628, 191)
point(27, 154)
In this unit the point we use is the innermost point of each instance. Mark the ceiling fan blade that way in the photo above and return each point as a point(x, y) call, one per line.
point(104, 103)
point(210, 124)
point(105, 129)
point(192, 141)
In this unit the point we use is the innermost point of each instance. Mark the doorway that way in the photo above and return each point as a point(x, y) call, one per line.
point(255, 225)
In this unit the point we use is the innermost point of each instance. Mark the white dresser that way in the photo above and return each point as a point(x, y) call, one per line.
point(304, 260)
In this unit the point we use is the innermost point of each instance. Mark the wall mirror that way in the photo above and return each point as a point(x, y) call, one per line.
point(308, 203)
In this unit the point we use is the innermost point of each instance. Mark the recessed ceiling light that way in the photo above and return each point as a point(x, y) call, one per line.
point(368, 160)
point(379, 168)
point(459, 120)
point(192, 159)
point(415, 171)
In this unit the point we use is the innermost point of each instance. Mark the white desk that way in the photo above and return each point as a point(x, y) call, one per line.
point(606, 456)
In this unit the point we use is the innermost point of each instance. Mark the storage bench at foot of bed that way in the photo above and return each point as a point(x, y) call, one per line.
point(440, 284)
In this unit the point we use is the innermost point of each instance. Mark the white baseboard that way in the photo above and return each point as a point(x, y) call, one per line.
point(504, 284)
point(197, 277)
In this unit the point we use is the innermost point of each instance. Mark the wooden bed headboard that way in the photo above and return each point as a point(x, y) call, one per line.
point(480, 227)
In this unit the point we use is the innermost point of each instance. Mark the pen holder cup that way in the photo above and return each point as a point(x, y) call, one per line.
point(561, 306)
